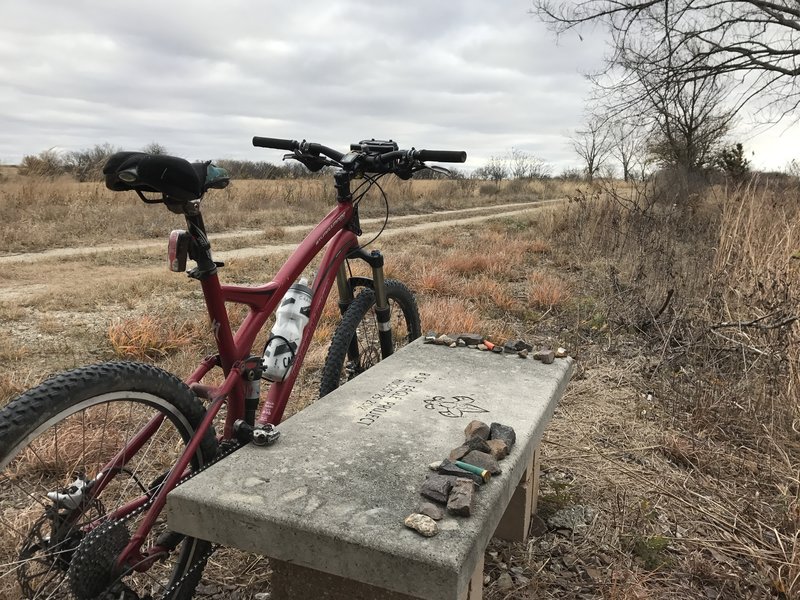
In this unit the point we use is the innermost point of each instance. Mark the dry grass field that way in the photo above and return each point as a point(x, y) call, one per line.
point(681, 430)
point(40, 214)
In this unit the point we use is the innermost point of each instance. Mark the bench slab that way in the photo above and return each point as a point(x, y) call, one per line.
point(333, 492)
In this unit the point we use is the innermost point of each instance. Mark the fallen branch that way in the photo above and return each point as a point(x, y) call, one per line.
point(757, 323)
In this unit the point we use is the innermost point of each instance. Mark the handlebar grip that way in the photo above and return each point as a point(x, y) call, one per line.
point(277, 143)
point(442, 155)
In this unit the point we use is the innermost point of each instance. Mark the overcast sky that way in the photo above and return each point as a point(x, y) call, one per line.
point(202, 78)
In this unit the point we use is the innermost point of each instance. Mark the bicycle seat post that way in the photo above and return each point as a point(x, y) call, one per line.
point(200, 247)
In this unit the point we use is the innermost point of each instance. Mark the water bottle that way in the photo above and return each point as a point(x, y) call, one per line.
point(290, 319)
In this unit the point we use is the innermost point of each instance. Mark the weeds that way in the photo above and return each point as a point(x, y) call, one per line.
point(547, 291)
point(150, 337)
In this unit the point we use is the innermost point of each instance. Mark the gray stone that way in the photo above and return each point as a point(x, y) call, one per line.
point(522, 353)
point(461, 343)
point(572, 518)
point(452, 345)
point(458, 453)
point(503, 432)
point(545, 355)
point(444, 340)
point(484, 461)
point(478, 428)
point(436, 488)
point(498, 448)
point(476, 442)
point(422, 524)
point(448, 468)
point(482, 347)
point(497, 349)
point(470, 338)
point(504, 582)
point(461, 497)
point(561, 353)
point(341, 460)
point(434, 466)
point(538, 526)
point(431, 510)
point(430, 337)
point(517, 345)
point(472, 346)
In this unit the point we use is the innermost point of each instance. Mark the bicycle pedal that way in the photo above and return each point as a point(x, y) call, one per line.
point(265, 435)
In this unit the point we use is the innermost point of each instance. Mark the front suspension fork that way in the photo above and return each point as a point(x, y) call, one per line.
point(382, 311)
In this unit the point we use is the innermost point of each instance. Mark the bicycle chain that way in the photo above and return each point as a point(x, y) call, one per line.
point(230, 447)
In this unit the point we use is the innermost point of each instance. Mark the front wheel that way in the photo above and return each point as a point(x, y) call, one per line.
point(77, 473)
point(356, 346)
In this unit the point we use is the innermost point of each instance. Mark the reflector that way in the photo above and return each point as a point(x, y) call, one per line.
point(178, 250)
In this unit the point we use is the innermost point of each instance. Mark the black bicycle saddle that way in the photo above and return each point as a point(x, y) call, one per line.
point(176, 178)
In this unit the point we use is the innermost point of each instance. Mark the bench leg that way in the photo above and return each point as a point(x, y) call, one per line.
point(293, 582)
point(516, 521)
point(475, 589)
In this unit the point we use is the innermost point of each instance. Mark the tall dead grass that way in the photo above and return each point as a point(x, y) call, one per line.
point(149, 337)
point(710, 285)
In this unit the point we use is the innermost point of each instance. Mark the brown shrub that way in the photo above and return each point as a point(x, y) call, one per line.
point(150, 337)
point(448, 315)
point(545, 291)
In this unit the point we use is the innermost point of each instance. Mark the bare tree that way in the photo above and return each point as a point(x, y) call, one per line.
point(593, 145)
point(626, 143)
point(756, 40)
point(154, 148)
point(685, 117)
point(688, 123)
point(496, 170)
point(87, 164)
point(48, 163)
point(523, 165)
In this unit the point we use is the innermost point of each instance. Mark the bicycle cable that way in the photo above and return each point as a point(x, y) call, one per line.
point(369, 182)
point(374, 181)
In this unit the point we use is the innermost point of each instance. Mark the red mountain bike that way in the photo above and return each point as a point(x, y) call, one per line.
point(88, 457)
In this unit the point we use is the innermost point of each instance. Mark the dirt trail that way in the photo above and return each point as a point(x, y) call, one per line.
point(390, 232)
point(497, 210)
point(36, 282)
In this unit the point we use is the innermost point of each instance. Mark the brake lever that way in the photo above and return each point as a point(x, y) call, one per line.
point(313, 162)
point(435, 169)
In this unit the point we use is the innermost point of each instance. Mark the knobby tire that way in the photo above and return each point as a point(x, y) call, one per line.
point(359, 322)
point(76, 422)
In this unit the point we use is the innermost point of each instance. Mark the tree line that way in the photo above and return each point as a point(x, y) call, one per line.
point(87, 164)
point(596, 145)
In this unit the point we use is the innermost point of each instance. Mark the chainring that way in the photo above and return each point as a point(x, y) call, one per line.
point(91, 570)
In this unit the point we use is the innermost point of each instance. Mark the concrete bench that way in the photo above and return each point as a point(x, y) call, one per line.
point(327, 502)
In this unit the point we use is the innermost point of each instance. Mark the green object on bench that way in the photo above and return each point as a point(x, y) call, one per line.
point(483, 473)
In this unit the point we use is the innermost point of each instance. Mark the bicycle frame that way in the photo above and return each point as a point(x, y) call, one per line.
point(263, 301)
point(334, 231)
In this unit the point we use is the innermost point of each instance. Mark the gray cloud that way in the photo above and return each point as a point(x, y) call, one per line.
point(203, 77)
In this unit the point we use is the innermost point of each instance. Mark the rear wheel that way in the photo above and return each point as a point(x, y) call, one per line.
point(356, 346)
point(59, 538)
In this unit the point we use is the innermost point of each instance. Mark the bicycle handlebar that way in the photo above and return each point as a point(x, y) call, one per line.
point(453, 156)
point(277, 143)
point(292, 145)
